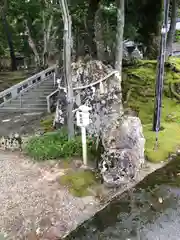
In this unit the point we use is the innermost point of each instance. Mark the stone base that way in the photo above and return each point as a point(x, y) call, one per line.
point(124, 152)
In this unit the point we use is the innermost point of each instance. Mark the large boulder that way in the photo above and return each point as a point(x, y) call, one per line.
point(124, 151)
point(99, 87)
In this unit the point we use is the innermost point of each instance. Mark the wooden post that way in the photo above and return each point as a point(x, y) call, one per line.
point(67, 65)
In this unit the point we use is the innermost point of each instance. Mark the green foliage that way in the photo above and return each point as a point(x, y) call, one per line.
point(79, 182)
point(54, 145)
point(51, 146)
point(137, 25)
point(177, 36)
point(141, 80)
point(38, 15)
point(167, 143)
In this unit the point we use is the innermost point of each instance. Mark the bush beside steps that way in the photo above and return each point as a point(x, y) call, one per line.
point(55, 145)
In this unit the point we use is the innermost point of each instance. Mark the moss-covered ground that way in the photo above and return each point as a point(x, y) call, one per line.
point(8, 79)
point(139, 92)
point(79, 182)
point(46, 123)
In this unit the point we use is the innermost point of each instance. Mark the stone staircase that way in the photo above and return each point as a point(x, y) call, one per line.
point(31, 95)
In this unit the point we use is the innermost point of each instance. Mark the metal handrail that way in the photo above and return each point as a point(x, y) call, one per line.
point(13, 90)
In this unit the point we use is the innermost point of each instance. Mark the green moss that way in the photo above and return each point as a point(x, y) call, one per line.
point(175, 62)
point(168, 140)
point(47, 123)
point(79, 182)
point(141, 80)
point(66, 163)
point(7, 79)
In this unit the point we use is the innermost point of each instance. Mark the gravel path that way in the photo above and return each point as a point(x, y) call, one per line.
point(33, 204)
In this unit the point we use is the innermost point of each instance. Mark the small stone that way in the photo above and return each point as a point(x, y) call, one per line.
point(45, 222)
point(78, 163)
point(31, 236)
point(38, 231)
point(6, 120)
point(160, 200)
point(61, 227)
point(54, 176)
point(53, 233)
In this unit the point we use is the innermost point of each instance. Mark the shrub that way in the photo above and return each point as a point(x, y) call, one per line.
point(53, 145)
point(177, 36)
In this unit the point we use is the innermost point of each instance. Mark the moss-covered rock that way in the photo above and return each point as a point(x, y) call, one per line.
point(139, 92)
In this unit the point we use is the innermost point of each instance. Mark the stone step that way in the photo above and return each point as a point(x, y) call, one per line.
point(21, 110)
point(33, 100)
point(25, 103)
point(30, 100)
point(26, 97)
point(49, 90)
point(45, 83)
point(28, 105)
point(42, 90)
point(40, 93)
point(36, 93)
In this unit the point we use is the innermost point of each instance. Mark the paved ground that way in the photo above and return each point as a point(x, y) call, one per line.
point(32, 200)
point(150, 212)
point(21, 123)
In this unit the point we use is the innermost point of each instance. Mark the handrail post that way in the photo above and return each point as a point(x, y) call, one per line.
point(54, 78)
point(48, 104)
point(20, 100)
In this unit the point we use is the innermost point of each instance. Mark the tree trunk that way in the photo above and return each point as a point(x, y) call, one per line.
point(152, 44)
point(9, 40)
point(32, 45)
point(46, 32)
point(99, 34)
point(67, 66)
point(44, 57)
point(172, 29)
point(119, 36)
point(90, 22)
point(150, 16)
point(119, 48)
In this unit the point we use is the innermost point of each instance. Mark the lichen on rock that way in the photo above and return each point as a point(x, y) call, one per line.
point(124, 151)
